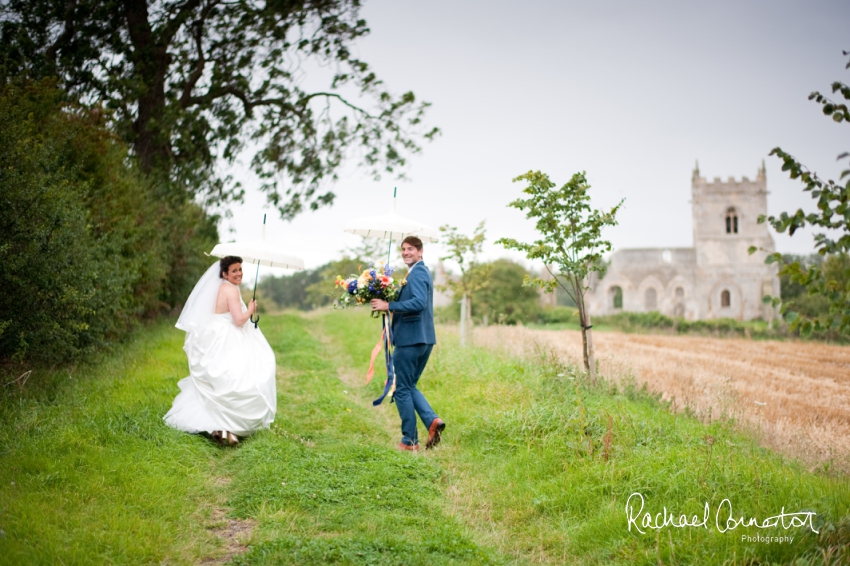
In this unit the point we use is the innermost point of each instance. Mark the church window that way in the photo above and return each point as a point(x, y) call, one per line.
point(731, 221)
point(650, 299)
point(616, 293)
point(725, 298)
point(667, 256)
point(679, 306)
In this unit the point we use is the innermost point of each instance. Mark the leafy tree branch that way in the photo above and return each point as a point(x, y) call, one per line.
point(184, 83)
point(831, 279)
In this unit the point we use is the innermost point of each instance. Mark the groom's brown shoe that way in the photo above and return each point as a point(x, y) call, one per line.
point(435, 432)
point(412, 447)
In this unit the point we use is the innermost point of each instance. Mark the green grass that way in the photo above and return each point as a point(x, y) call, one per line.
point(88, 472)
point(532, 446)
point(520, 478)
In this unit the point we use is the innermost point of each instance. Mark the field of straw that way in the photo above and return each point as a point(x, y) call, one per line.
point(795, 396)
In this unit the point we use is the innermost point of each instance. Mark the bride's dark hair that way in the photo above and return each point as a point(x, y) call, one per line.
point(226, 262)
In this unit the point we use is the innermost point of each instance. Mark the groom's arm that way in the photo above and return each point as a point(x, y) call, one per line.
point(419, 296)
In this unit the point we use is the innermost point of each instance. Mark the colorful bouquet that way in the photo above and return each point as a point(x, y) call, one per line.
point(373, 283)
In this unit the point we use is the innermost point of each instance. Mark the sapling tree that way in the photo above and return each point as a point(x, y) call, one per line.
point(570, 242)
point(830, 278)
point(464, 251)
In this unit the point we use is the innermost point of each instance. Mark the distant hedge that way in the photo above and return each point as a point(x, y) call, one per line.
point(87, 245)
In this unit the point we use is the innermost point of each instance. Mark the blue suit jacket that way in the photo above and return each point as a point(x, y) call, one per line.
point(413, 312)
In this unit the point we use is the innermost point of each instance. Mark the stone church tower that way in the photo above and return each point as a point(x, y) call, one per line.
point(717, 278)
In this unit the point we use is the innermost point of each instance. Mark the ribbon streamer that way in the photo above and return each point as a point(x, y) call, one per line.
point(386, 339)
point(375, 350)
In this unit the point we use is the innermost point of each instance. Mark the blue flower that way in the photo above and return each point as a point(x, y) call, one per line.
point(372, 273)
point(352, 286)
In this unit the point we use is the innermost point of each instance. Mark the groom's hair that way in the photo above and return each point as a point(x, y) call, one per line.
point(413, 241)
point(225, 263)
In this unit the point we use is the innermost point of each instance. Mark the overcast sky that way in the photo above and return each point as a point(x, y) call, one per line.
point(633, 93)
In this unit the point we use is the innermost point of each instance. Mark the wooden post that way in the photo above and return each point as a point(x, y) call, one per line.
point(469, 316)
point(463, 321)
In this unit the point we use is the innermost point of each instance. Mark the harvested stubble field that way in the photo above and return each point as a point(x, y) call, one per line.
point(795, 396)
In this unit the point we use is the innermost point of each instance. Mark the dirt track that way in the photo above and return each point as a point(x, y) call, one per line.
point(796, 395)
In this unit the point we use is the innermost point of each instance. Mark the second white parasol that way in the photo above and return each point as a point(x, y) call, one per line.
point(391, 227)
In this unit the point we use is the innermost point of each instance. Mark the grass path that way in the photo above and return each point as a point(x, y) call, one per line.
point(535, 467)
point(327, 485)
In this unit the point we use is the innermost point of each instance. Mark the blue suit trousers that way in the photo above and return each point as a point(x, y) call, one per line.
point(409, 362)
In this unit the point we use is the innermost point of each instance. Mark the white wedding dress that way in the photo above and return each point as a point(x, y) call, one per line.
point(231, 383)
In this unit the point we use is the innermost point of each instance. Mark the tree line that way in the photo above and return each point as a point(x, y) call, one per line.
point(89, 245)
point(503, 300)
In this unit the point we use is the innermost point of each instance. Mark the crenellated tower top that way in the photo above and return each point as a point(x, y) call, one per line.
point(702, 186)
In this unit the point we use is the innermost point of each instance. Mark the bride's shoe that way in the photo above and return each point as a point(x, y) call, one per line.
point(217, 436)
point(231, 439)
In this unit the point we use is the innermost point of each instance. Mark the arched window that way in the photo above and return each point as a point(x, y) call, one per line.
point(650, 299)
point(616, 293)
point(731, 221)
point(679, 306)
point(725, 298)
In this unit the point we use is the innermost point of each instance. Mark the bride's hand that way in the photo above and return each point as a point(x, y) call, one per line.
point(252, 306)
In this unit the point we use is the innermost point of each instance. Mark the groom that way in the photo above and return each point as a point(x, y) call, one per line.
point(413, 338)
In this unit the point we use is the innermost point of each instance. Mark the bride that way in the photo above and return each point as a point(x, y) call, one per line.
point(230, 391)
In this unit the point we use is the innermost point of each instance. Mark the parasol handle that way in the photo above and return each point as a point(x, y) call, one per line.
point(251, 318)
point(256, 275)
point(256, 278)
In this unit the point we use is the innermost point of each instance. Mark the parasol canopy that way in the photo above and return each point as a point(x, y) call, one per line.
point(259, 252)
point(391, 226)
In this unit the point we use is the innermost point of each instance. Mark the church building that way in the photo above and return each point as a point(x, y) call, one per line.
point(716, 278)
